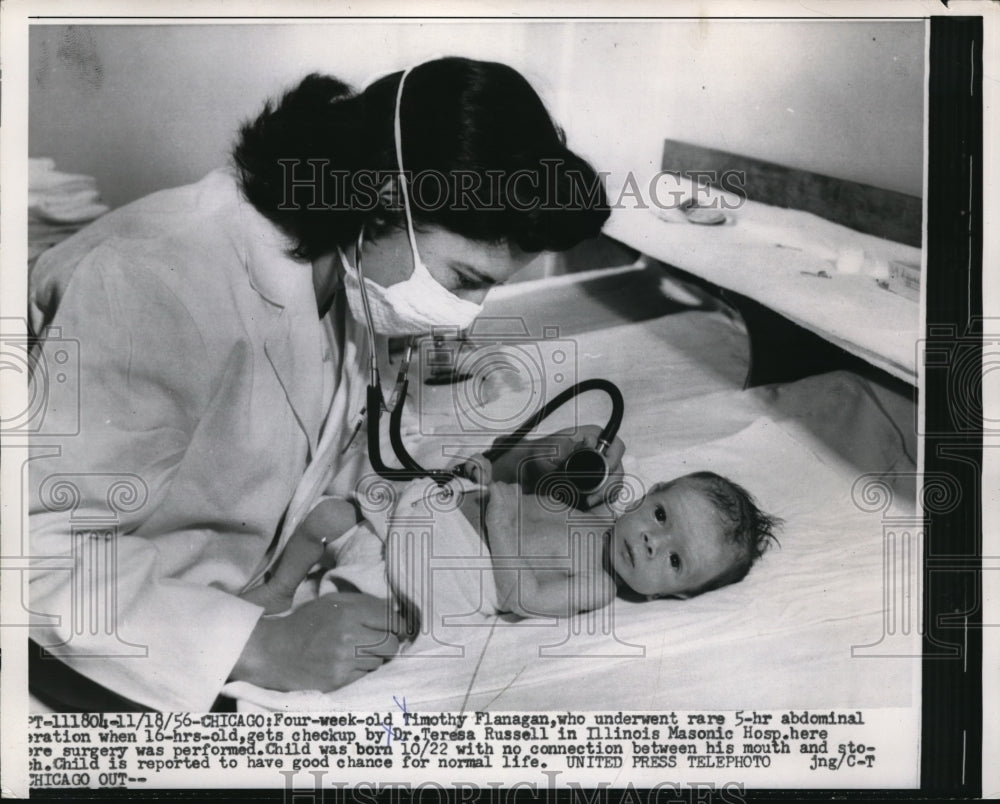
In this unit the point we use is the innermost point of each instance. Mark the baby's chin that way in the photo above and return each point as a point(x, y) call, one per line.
point(626, 592)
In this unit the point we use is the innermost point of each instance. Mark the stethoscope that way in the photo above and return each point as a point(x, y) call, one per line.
point(585, 469)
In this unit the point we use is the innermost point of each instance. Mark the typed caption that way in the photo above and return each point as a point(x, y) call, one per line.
point(807, 748)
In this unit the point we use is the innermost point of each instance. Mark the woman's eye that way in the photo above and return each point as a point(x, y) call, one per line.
point(660, 513)
point(466, 282)
point(675, 561)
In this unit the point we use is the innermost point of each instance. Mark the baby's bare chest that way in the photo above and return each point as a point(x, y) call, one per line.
point(568, 548)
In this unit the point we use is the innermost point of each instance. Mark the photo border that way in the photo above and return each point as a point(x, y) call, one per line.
point(956, 187)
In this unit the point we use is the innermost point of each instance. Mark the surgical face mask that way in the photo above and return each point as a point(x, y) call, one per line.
point(414, 306)
point(418, 304)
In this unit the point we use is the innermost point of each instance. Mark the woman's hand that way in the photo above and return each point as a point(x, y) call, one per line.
point(528, 464)
point(323, 645)
point(328, 642)
point(475, 468)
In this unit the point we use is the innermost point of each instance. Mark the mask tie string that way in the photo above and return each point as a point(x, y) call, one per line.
point(397, 131)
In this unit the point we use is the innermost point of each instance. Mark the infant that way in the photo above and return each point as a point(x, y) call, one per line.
point(687, 536)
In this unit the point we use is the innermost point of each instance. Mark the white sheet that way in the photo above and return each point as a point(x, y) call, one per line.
point(781, 638)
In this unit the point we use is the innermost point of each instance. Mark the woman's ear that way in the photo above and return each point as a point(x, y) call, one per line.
point(387, 206)
point(390, 197)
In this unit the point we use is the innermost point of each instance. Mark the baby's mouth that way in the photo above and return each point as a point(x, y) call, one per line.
point(628, 552)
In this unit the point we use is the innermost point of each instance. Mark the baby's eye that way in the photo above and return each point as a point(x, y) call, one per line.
point(660, 513)
point(675, 561)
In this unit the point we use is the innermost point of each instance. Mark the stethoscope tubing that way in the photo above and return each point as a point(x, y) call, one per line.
point(505, 443)
point(412, 470)
point(375, 398)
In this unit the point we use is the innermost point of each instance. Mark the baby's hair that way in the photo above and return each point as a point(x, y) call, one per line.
point(746, 526)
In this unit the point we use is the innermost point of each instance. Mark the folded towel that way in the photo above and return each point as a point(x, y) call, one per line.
point(59, 204)
point(76, 206)
point(43, 177)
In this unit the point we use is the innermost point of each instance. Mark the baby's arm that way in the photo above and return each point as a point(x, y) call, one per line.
point(552, 593)
point(580, 585)
point(328, 520)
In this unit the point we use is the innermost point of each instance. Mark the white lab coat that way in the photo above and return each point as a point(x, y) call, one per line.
point(201, 364)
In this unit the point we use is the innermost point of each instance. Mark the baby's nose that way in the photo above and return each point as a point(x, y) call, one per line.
point(650, 545)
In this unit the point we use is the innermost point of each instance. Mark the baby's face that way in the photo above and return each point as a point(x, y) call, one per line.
point(672, 543)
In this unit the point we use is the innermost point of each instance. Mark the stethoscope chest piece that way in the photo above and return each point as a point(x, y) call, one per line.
point(586, 469)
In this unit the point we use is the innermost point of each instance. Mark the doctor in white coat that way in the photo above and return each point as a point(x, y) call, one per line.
point(214, 335)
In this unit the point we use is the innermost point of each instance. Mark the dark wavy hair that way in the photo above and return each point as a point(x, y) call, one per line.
point(484, 157)
point(745, 526)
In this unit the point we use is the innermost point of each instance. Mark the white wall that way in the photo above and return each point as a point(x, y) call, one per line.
point(145, 107)
point(840, 98)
